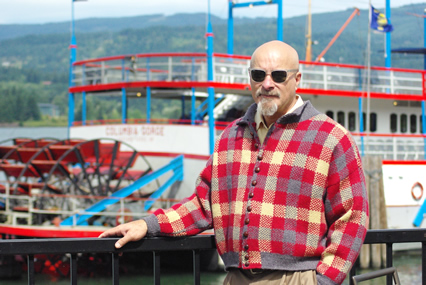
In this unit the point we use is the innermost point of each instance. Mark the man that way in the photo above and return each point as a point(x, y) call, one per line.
point(284, 189)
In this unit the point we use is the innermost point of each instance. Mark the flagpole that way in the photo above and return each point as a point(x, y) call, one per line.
point(367, 117)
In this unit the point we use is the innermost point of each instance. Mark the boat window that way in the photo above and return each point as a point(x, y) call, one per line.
point(400, 103)
point(393, 123)
point(413, 123)
point(351, 121)
point(403, 123)
point(373, 122)
point(416, 104)
point(330, 114)
point(341, 118)
point(364, 122)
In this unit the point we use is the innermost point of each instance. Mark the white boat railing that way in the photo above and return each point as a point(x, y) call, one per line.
point(26, 212)
point(183, 67)
point(393, 147)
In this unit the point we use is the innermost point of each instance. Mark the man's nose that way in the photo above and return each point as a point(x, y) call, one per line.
point(268, 83)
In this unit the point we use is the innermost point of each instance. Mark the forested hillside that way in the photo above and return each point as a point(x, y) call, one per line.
point(35, 58)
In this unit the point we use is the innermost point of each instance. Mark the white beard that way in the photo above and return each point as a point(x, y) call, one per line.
point(267, 107)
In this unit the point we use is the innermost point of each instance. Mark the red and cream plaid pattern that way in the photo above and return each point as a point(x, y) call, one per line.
point(297, 202)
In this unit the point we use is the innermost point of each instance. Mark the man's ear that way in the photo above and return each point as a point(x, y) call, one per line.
point(298, 78)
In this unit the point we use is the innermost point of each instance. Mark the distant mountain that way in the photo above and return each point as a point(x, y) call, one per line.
point(92, 25)
point(322, 22)
point(45, 47)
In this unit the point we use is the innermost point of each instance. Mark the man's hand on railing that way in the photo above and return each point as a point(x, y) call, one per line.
point(132, 231)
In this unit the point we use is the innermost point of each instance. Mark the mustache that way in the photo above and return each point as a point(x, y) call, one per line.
point(260, 92)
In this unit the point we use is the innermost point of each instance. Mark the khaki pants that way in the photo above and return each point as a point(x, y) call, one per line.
point(276, 277)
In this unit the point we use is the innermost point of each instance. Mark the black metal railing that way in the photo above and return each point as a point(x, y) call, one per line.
point(196, 244)
point(390, 237)
point(75, 246)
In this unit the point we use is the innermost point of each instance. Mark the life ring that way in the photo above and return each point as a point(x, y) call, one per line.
point(417, 197)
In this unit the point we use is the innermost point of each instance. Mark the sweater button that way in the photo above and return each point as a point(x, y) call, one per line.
point(257, 169)
point(246, 247)
point(246, 257)
point(245, 234)
point(260, 157)
point(246, 264)
point(247, 221)
point(256, 145)
point(249, 209)
point(254, 182)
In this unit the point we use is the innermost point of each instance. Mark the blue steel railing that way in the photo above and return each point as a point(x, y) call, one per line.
point(196, 244)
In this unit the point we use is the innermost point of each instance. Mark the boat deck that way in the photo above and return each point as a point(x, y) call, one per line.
point(184, 71)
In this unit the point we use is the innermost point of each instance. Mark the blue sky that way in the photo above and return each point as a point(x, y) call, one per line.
point(46, 11)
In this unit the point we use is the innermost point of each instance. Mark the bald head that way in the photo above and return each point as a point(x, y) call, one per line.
point(274, 95)
point(279, 52)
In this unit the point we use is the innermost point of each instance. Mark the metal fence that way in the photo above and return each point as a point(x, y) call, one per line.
point(196, 244)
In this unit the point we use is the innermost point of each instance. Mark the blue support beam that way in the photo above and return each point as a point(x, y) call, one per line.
point(73, 57)
point(388, 58)
point(252, 4)
point(178, 176)
point(176, 165)
point(210, 90)
point(148, 93)
point(202, 110)
point(83, 108)
point(193, 93)
point(420, 215)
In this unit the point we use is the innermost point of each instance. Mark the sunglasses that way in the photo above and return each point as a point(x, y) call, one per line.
point(278, 76)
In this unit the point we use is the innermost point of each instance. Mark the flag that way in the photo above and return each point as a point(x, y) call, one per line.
point(379, 22)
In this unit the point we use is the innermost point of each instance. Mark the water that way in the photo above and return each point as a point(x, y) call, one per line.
point(408, 265)
point(42, 132)
point(171, 278)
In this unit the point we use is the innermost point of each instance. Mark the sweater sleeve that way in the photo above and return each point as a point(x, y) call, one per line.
point(190, 216)
point(346, 209)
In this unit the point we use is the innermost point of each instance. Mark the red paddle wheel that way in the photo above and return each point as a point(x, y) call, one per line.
point(49, 178)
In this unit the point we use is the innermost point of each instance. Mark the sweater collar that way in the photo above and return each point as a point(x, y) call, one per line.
point(302, 113)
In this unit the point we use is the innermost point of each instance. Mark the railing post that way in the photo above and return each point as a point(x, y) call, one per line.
point(103, 72)
point(30, 264)
point(170, 65)
point(196, 265)
point(73, 269)
point(123, 71)
point(115, 269)
point(423, 262)
point(395, 149)
point(157, 262)
point(324, 69)
point(389, 262)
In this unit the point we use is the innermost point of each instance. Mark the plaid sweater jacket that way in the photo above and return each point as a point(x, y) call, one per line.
point(296, 202)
